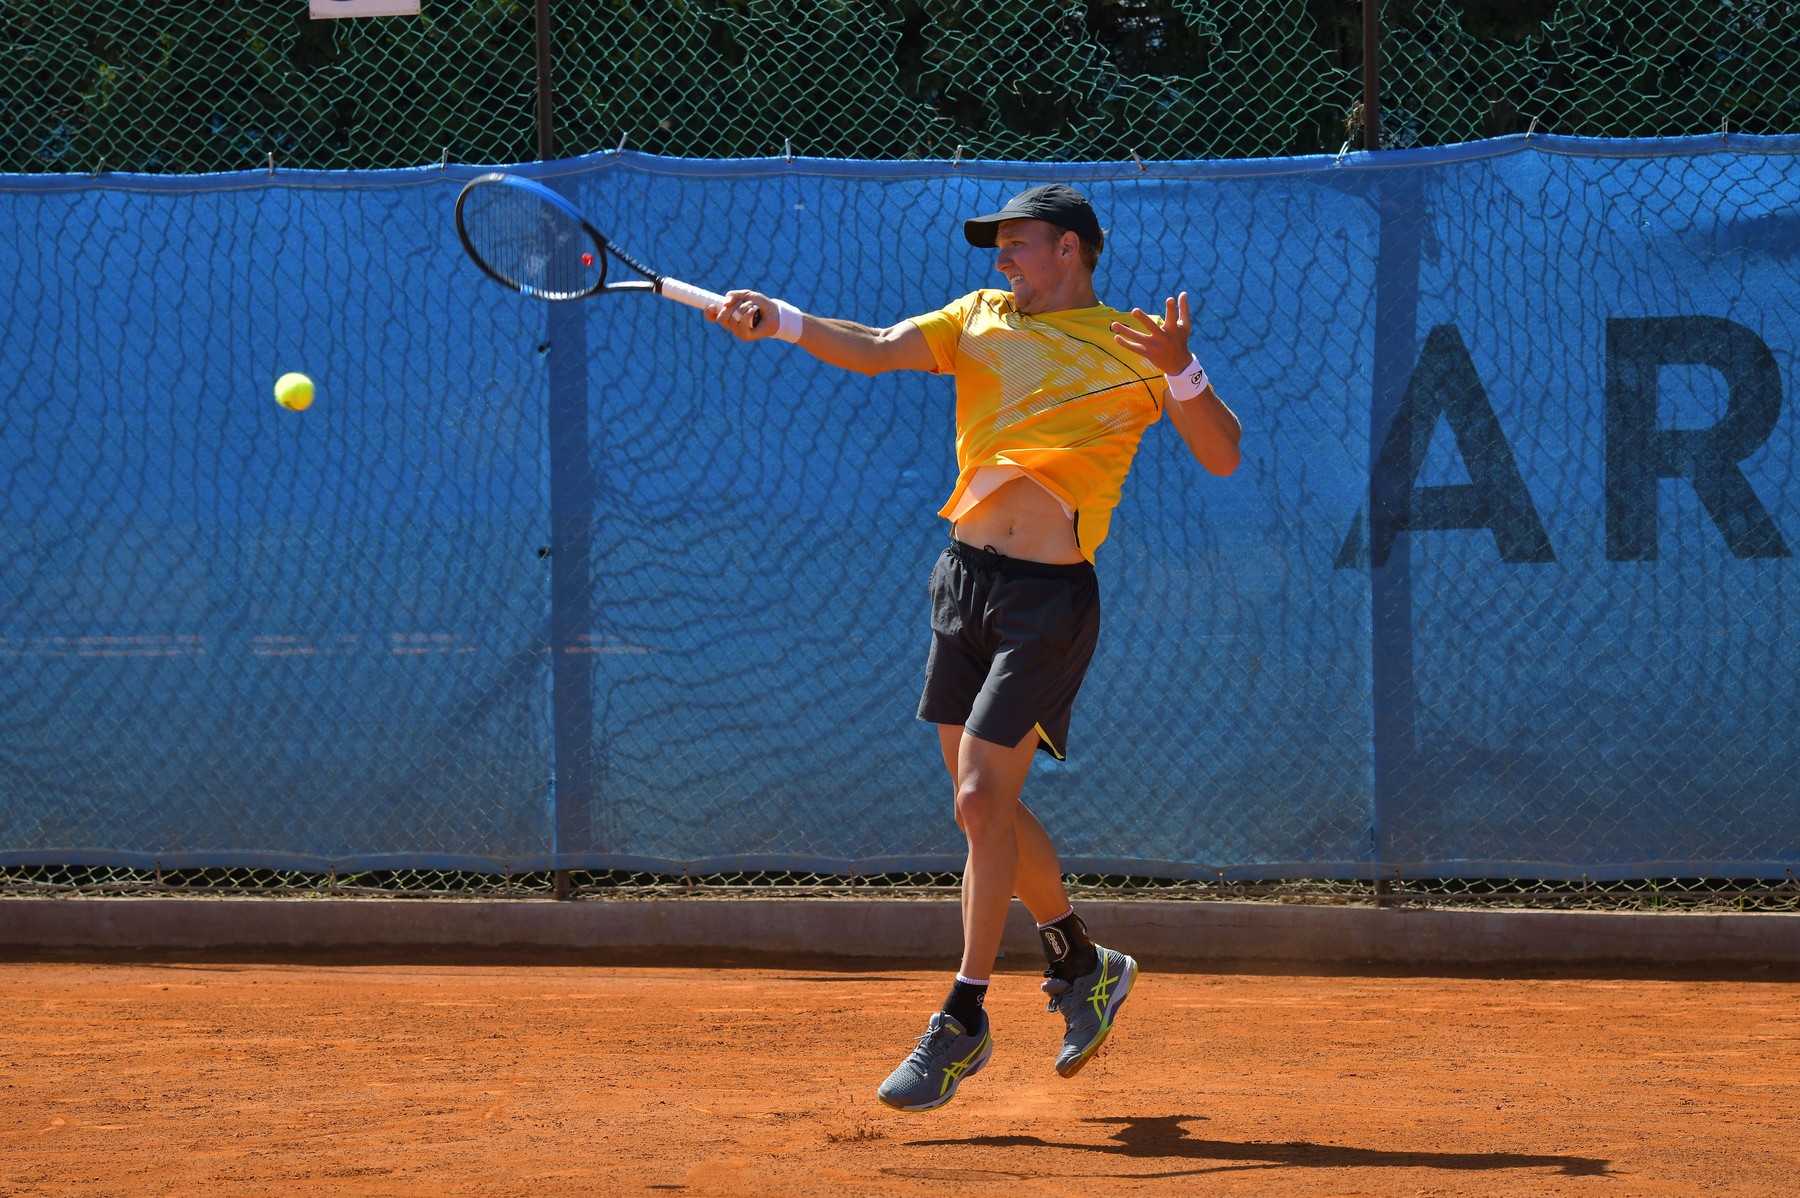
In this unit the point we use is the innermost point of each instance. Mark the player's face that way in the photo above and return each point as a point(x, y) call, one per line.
point(1033, 258)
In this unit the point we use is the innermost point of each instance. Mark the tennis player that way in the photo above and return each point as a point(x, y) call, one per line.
point(1053, 393)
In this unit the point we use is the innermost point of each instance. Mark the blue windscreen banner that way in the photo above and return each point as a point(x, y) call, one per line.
point(1504, 586)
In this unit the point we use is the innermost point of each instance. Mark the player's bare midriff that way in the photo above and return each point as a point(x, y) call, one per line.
point(1021, 519)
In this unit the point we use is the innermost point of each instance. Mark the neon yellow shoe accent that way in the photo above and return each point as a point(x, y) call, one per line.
point(909, 1087)
point(1089, 1005)
point(953, 1072)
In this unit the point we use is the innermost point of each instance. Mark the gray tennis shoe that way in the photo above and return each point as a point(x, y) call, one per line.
point(1088, 1005)
point(943, 1057)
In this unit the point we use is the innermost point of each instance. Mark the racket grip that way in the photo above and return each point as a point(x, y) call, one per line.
point(694, 297)
point(687, 293)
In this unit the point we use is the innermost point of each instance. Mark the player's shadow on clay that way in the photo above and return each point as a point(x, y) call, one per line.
point(1164, 1137)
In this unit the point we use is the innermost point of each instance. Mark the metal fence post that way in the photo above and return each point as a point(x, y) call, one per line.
point(546, 135)
point(571, 513)
point(1401, 208)
point(572, 502)
point(1371, 97)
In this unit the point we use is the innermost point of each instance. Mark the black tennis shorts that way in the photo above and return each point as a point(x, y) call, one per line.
point(1010, 644)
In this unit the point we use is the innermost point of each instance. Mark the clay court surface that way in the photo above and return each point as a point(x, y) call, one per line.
point(483, 1076)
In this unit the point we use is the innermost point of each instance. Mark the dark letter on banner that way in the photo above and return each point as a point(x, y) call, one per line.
point(1638, 453)
point(1445, 383)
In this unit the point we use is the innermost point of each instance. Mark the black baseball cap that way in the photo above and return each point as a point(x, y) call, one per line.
point(1054, 202)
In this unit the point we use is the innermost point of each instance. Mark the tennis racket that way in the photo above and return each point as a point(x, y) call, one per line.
point(524, 235)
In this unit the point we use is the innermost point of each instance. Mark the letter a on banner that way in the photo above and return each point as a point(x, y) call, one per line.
point(1444, 386)
point(364, 8)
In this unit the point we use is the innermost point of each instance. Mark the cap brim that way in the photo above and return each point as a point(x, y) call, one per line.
point(983, 232)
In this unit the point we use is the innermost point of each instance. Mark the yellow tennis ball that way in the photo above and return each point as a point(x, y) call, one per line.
point(294, 392)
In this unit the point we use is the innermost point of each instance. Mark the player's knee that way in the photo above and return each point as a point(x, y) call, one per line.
point(982, 811)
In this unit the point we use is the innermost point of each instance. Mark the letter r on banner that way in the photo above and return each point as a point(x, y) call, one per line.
point(1638, 454)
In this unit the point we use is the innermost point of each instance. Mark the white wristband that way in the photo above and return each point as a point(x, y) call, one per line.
point(789, 320)
point(1190, 382)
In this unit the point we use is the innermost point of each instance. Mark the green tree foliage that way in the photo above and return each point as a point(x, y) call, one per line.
point(204, 85)
point(208, 85)
point(1591, 68)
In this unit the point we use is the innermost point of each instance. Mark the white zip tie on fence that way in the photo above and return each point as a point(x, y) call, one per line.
point(1342, 150)
point(444, 162)
point(1532, 129)
point(1139, 161)
point(787, 149)
point(621, 146)
point(957, 158)
point(271, 162)
point(101, 169)
point(1724, 128)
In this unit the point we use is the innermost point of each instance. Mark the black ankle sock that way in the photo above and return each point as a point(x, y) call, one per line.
point(1067, 947)
point(966, 1005)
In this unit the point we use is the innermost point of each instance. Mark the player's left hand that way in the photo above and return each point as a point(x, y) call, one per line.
point(1164, 346)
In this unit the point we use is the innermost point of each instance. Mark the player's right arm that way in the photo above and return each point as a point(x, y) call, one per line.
point(842, 343)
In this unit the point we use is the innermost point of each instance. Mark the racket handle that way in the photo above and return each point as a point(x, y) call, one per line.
point(694, 297)
point(687, 293)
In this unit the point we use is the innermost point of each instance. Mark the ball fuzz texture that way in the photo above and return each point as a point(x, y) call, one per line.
point(294, 392)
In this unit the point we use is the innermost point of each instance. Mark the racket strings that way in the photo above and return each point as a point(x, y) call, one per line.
point(531, 244)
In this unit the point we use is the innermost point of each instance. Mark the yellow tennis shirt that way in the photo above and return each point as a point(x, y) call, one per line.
point(1051, 397)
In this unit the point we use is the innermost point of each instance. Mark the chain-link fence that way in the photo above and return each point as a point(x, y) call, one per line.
point(212, 85)
point(584, 587)
point(350, 619)
point(1701, 895)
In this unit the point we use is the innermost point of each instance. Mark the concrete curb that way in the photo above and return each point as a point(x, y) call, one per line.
point(874, 928)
